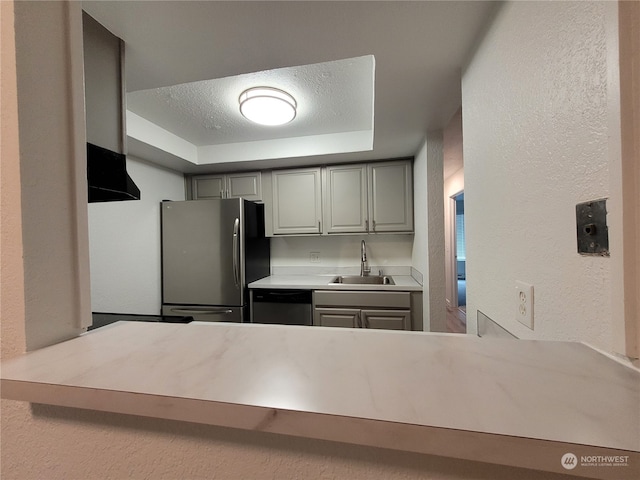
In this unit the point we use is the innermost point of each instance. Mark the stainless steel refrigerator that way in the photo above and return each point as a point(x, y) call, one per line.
point(211, 251)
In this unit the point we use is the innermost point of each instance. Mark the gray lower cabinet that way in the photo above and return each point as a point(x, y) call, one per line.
point(336, 317)
point(386, 319)
point(362, 309)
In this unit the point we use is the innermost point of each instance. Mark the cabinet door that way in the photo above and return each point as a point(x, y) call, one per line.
point(297, 206)
point(391, 197)
point(336, 317)
point(387, 319)
point(245, 185)
point(346, 199)
point(207, 187)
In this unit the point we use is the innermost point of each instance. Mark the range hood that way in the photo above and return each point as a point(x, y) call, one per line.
point(107, 176)
point(104, 91)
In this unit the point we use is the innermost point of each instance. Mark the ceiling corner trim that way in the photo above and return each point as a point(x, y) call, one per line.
point(325, 144)
point(148, 132)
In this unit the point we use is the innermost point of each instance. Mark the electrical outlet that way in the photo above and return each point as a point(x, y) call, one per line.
point(524, 304)
point(314, 257)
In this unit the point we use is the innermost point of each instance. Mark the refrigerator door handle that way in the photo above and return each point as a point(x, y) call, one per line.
point(236, 252)
point(202, 311)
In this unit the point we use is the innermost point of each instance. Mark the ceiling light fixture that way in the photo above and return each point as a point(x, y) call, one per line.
point(267, 106)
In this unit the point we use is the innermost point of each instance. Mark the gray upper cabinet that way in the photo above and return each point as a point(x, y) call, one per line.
point(391, 197)
point(208, 187)
point(245, 185)
point(297, 201)
point(371, 198)
point(337, 199)
point(346, 199)
point(231, 185)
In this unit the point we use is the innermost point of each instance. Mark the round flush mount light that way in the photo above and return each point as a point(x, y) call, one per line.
point(267, 106)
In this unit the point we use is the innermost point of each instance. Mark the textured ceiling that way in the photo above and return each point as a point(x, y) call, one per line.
point(420, 49)
point(332, 97)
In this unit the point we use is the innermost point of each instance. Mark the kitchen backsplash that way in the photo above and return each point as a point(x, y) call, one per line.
point(320, 252)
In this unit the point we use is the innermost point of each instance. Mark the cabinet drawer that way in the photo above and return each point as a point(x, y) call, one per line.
point(386, 319)
point(367, 299)
point(336, 317)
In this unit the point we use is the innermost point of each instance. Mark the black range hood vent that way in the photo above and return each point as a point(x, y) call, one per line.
point(107, 176)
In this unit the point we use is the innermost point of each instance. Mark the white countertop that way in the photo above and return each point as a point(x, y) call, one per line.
point(404, 283)
point(459, 396)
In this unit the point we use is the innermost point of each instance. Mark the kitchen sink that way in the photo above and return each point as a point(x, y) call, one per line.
point(359, 280)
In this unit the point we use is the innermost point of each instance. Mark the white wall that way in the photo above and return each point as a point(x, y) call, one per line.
point(428, 246)
point(537, 141)
point(453, 184)
point(54, 442)
point(124, 240)
point(341, 250)
point(419, 250)
point(53, 186)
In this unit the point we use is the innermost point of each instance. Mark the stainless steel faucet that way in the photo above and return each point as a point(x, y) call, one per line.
point(364, 270)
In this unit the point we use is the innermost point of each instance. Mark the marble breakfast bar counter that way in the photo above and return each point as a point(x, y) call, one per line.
point(512, 402)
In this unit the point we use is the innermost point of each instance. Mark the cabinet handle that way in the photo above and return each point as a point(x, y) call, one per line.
point(366, 225)
point(319, 227)
point(374, 225)
point(358, 320)
point(221, 193)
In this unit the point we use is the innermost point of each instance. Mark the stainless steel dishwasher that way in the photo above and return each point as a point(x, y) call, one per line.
point(278, 306)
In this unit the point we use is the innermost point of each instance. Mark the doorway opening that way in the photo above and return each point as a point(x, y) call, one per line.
point(460, 252)
point(457, 266)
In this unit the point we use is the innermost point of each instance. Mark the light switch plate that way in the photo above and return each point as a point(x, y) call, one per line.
point(524, 304)
point(314, 257)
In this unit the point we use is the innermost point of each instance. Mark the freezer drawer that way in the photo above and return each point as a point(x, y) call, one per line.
point(207, 314)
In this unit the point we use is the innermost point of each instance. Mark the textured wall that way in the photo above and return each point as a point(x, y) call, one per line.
point(124, 241)
point(54, 261)
point(12, 310)
point(419, 251)
point(53, 443)
point(57, 443)
point(453, 184)
point(428, 245)
point(435, 230)
point(536, 143)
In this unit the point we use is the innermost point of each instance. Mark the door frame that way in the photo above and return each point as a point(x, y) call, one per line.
point(453, 251)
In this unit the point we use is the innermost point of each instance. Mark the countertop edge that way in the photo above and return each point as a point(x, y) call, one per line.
point(536, 454)
point(405, 283)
